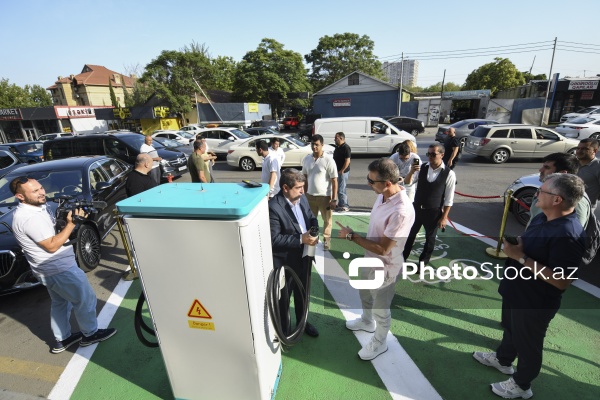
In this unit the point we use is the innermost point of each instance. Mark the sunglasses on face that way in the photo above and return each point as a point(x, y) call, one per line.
point(431, 154)
point(371, 181)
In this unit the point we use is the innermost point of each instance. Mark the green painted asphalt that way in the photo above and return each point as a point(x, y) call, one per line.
point(438, 325)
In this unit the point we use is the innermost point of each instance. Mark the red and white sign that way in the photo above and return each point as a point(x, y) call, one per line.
point(583, 85)
point(586, 96)
point(342, 102)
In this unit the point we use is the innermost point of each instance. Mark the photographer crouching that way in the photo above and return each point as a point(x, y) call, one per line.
point(55, 266)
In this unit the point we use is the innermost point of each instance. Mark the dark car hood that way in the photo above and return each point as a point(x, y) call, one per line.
point(170, 154)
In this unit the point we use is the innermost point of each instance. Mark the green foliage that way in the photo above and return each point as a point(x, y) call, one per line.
point(498, 75)
point(448, 87)
point(530, 77)
point(223, 72)
point(113, 96)
point(339, 55)
point(270, 72)
point(171, 75)
point(13, 96)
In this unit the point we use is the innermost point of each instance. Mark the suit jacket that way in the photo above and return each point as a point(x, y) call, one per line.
point(285, 231)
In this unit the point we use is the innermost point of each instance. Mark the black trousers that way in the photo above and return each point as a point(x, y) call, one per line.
point(524, 332)
point(303, 271)
point(427, 218)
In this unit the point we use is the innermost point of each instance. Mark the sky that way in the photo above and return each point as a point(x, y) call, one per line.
point(44, 39)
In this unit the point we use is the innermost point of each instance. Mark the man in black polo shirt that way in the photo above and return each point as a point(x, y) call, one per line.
point(451, 149)
point(139, 180)
point(433, 199)
point(341, 156)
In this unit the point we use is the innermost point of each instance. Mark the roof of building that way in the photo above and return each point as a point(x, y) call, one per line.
point(95, 75)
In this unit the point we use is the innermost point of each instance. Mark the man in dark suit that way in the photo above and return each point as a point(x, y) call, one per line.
point(291, 219)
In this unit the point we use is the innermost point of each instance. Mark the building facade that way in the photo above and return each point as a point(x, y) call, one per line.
point(410, 72)
point(91, 87)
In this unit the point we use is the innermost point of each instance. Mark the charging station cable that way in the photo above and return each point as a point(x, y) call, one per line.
point(273, 303)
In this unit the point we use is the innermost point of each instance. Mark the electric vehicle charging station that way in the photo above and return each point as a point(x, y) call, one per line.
point(203, 253)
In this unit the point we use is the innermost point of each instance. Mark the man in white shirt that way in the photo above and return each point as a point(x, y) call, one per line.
point(55, 266)
point(433, 200)
point(270, 167)
point(321, 185)
point(277, 151)
point(151, 151)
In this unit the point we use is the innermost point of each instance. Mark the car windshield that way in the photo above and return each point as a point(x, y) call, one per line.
point(481, 131)
point(186, 135)
point(587, 110)
point(459, 124)
point(167, 142)
point(54, 183)
point(27, 148)
point(239, 134)
point(296, 140)
point(581, 120)
point(136, 141)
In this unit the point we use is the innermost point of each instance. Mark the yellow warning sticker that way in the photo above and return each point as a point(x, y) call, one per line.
point(209, 326)
point(198, 311)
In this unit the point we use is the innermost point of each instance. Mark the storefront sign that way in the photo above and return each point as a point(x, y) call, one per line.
point(253, 107)
point(10, 113)
point(161, 112)
point(586, 96)
point(122, 113)
point(466, 94)
point(583, 85)
point(75, 112)
point(342, 102)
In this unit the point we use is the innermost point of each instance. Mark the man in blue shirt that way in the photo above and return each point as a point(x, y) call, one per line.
point(539, 269)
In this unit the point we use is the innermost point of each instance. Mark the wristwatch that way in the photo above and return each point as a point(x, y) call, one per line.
point(523, 259)
point(350, 236)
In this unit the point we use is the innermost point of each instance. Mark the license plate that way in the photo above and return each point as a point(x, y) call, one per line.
point(182, 168)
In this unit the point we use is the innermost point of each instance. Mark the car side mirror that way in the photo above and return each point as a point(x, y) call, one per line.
point(231, 138)
point(100, 186)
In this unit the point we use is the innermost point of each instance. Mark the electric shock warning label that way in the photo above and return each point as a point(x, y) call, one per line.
point(198, 311)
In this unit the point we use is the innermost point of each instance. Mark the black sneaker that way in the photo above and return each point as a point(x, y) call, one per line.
point(100, 336)
point(62, 345)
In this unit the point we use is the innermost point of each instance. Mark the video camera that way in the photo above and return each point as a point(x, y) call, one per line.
point(69, 203)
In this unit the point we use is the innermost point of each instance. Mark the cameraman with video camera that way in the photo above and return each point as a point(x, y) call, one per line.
point(55, 266)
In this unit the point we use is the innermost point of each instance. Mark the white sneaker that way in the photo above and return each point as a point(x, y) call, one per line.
point(360, 324)
point(510, 390)
point(372, 349)
point(490, 360)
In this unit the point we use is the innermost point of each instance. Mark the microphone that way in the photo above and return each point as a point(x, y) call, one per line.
point(313, 232)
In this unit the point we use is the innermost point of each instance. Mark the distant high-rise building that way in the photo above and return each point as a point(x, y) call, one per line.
point(409, 75)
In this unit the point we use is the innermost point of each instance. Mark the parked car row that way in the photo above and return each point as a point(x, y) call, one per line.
point(580, 113)
point(581, 127)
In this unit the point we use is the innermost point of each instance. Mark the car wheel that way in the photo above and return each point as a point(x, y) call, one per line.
point(414, 132)
point(595, 136)
point(500, 156)
point(521, 213)
point(247, 164)
point(87, 248)
point(463, 142)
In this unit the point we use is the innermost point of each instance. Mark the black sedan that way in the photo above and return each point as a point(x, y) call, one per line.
point(411, 125)
point(260, 131)
point(174, 145)
point(98, 179)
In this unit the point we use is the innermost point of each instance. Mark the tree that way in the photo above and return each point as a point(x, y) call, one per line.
point(448, 87)
point(495, 76)
point(269, 73)
point(171, 75)
point(530, 77)
point(140, 92)
point(113, 96)
point(339, 55)
point(13, 96)
point(223, 72)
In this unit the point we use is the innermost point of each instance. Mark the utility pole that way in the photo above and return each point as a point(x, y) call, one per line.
point(533, 62)
point(400, 87)
point(548, 88)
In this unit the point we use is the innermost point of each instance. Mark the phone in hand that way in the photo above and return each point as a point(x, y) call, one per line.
point(416, 161)
point(511, 239)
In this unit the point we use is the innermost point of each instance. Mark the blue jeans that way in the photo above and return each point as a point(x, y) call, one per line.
point(71, 290)
point(342, 196)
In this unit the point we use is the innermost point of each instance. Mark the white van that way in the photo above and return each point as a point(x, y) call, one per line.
point(364, 135)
